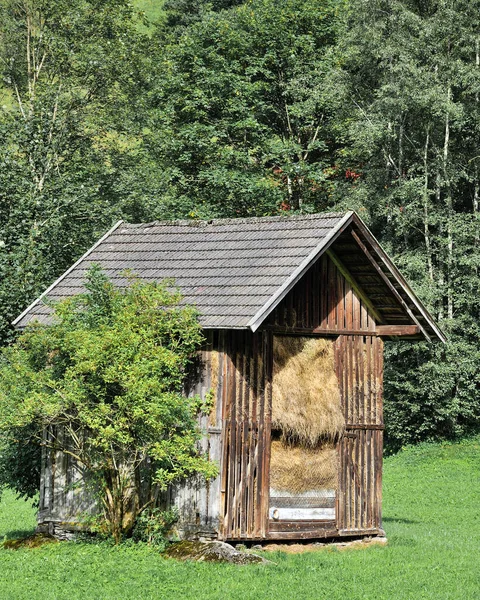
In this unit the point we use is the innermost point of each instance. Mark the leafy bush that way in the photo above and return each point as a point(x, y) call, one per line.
point(20, 461)
point(153, 526)
point(106, 380)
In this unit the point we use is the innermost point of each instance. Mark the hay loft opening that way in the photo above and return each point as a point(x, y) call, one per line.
point(307, 423)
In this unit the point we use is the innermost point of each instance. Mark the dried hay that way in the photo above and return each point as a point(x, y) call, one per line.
point(305, 395)
point(297, 470)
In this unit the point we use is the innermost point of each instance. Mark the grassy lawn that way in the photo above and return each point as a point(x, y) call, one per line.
point(431, 515)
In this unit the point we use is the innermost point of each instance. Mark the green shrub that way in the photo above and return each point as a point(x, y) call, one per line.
point(154, 525)
point(106, 381)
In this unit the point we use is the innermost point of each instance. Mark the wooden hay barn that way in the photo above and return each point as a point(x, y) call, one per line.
point(295, 312)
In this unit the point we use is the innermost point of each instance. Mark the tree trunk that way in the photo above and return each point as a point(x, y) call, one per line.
point(449, 202)
point(426, 229)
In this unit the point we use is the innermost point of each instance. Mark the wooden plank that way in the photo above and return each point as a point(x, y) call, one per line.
point(231, 394)
point(303, 535)
point(259, 520)
point(301, 514)
point(268, 429)
point(361, 377)
point(323, 294)
point(378, 477)
point(397, 330)
point(242, 424)
point(223, 399)
point(331, 290)
point(368, 479)
point(286, 526)
point(356, 340)
point(316, 291)
point(363, 426)
point(340, 300)
point(379, 343)
point(362, 531)
point(281, 330)
point(356, 484)
point(351, 379)
point(306, 312)
point(368, 379)
point(374, 379)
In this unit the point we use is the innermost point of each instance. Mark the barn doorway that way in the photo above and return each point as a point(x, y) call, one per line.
point(307, 422)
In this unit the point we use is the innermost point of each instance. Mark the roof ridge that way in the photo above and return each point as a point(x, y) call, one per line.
point(239, 220)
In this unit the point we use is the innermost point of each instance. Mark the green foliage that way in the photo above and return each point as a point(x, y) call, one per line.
point(430, 517)
point(106, 382)
point(412, 72)
point(154, 525)
point(230, 108)
point(20, 461)
point(243, 110)
point(68, 143)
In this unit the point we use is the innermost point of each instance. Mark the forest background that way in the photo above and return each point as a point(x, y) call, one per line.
point(193, 109)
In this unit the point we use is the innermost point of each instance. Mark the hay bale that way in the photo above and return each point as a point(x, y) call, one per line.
point(297, 470)
point(305, 394)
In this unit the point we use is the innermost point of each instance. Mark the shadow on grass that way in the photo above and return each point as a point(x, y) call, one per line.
point(399, 520)
point(17, 534)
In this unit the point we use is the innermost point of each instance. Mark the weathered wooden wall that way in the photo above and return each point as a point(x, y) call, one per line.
point(324, 300)
point(359, 366)
point(198, 501)
point(64, 495)
point(247, 377)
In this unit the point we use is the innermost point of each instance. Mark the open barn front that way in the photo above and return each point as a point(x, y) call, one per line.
point(307, 424)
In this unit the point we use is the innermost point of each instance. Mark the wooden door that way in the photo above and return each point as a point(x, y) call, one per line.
point(359, 367)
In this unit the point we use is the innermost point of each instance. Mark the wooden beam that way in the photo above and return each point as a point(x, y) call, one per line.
point(398, 330)
point(355, 286)
point(278, 329)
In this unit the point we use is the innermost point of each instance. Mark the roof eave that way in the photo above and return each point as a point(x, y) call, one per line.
point(427, 317)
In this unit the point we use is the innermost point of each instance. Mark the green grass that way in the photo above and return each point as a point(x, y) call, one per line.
point(153, 9)
point(432, 520)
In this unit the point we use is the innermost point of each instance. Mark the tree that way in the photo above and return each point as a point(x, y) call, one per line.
point(242, 113)
point(74, 72)
point(105, 384)
point(412, 70)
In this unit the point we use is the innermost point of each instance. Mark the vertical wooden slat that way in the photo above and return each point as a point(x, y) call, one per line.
point(368, 379)
point(231, 395)
point(380, 381)
point(323, 293)
point(315, 287)
point(261, 438)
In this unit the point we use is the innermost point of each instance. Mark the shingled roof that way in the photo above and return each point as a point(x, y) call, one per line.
point(235, 271)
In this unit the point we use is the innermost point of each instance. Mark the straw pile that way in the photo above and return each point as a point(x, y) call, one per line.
point(307, 414)
point(305, 395)
point(297, 470)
